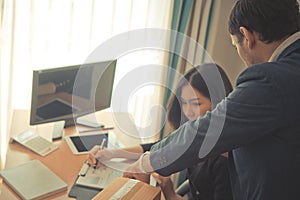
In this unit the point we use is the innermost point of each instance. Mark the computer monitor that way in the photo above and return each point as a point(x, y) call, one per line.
point(69, 92)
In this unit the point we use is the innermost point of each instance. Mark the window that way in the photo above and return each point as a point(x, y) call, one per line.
point(42, 34)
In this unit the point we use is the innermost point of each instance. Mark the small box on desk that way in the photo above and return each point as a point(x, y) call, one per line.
point(129, 189)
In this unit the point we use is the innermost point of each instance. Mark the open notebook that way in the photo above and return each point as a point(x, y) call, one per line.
point(33, 180)
point(99, 178)
point(35, 142)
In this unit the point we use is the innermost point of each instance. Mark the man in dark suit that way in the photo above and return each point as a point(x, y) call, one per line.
point(260, 120)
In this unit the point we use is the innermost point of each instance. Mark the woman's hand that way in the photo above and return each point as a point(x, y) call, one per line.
point(102, 155)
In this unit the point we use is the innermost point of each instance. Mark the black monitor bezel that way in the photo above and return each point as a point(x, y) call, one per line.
point(70, 119)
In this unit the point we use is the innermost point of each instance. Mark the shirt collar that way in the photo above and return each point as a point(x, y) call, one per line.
point(290, 40)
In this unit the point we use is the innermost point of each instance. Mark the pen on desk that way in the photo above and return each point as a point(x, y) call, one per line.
point(100, 148)
point(96, 129)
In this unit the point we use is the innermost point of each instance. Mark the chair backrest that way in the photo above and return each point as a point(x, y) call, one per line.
point(184, 188)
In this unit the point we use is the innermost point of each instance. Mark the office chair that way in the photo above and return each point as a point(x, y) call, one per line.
point(183, 188)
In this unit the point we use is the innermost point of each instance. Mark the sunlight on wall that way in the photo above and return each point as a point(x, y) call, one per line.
point(47, 34)
point(5, 104)
point(143, 102)
point(61, 34)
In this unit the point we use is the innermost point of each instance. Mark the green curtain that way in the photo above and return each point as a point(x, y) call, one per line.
point(190, 18)
point(180, 17)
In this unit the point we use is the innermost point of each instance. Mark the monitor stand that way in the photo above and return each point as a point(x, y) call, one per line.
point(89, 121)
point(51, 130)
point(69, 122)
point(58, 130)
point(83, 121)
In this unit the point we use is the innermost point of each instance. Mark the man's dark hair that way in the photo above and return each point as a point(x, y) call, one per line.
point(271, 19)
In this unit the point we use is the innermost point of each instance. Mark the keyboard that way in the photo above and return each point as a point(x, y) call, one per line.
point(35, 142)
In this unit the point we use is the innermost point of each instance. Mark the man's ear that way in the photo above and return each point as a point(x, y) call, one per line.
point(249, 37)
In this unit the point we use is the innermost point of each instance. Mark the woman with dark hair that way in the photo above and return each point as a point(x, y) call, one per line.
point(194, 78)
point(208, 180)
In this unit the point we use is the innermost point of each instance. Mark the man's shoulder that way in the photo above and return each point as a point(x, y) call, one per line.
point(256, 72)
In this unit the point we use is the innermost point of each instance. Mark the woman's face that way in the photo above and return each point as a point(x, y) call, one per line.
point(194, 104)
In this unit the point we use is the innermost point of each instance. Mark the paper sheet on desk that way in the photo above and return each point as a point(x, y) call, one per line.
point(104, 175)
point(120, 164)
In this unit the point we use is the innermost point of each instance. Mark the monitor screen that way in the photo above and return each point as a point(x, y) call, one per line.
point(65, 93)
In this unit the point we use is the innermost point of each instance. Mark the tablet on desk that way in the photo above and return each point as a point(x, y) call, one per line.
point(82, 144)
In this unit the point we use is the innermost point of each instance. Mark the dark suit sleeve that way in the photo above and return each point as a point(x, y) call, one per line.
point(250, 112)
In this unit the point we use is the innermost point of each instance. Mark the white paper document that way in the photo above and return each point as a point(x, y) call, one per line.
point(102, 176)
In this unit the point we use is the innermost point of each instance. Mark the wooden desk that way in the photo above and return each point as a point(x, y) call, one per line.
point(62, 161)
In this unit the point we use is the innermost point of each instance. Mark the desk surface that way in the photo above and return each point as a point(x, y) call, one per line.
point(62, 161)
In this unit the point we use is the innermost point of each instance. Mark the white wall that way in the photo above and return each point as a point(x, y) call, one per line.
point(219, 42)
